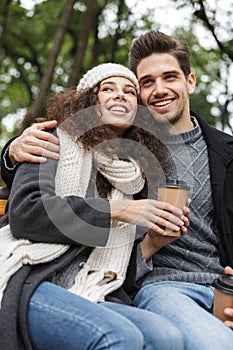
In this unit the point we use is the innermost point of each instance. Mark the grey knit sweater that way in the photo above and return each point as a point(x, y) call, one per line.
point(193, 257)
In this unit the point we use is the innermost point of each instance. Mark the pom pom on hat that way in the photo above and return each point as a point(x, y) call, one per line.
point(103, 71)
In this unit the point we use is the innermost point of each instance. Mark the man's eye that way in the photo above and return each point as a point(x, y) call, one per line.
point(146, 82)
point(170, 77)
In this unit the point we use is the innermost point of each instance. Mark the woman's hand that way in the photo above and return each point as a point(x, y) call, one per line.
point(160, 218)
point(35, 144)
point(229, 311)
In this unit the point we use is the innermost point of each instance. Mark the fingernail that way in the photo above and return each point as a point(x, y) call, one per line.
point(228, 312)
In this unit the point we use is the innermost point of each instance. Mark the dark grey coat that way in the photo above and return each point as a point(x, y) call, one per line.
point(32, 198)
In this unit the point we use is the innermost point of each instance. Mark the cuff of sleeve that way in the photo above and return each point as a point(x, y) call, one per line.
point(143, 266)
point(6, 160)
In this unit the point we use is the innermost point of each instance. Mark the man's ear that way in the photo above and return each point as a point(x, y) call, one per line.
point(191, 83)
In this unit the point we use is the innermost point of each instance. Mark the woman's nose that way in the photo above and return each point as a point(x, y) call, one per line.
point(119, 95)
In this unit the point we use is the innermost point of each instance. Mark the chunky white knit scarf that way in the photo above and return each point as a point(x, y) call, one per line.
point(106, 267)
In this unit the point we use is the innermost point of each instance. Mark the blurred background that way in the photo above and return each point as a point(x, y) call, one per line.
point(46, 45)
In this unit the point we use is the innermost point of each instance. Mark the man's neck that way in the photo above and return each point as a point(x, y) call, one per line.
point(181, 126)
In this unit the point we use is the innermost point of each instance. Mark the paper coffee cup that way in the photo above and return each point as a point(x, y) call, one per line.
point(174, 192)
point(223, 296)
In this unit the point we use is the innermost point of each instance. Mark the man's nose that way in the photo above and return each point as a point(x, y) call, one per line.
point(159, 88)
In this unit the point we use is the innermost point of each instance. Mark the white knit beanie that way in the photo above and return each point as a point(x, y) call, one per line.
point(103, 71)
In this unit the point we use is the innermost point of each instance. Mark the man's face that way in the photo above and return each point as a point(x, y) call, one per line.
point(165, 90)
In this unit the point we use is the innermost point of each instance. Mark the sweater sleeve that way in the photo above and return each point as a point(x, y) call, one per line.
point(38, 214)
point(143, 266)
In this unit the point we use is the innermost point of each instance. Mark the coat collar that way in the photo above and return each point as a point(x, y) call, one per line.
point(217, 141)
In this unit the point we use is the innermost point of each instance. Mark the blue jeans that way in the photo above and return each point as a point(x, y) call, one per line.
point(60, 320)
point(189, 307)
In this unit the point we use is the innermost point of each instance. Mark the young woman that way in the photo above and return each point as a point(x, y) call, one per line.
point(73, 223)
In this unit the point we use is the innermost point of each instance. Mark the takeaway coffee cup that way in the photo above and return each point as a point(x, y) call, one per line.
point(223, 296)
point(174, 192)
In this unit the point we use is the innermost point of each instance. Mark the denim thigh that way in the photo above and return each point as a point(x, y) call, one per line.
point(189, 307)
point(158, 332)
point(61, 320)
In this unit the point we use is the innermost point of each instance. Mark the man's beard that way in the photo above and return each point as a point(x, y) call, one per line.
point(163, 121)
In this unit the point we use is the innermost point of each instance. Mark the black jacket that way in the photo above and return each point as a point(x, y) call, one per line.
point(220, 150)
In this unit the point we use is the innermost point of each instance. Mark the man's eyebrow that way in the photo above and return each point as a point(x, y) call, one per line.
point(144, 77)
point(174, 71)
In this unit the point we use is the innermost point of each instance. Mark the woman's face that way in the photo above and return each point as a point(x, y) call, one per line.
point(117, 97)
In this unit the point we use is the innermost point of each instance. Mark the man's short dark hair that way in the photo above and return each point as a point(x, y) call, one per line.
point(157, 42)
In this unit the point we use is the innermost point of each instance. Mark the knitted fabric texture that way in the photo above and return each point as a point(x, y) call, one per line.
point(103, 71)
point(78, 164)
point(106, 267)
point(14, 253)
point(194, 257)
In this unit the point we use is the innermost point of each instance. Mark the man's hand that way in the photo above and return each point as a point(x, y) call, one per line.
point(229, 311)
point(35, 144)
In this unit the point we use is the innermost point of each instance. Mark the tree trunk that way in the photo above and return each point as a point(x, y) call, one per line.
point(117, 36)
point(81, 44)
point(37, 107)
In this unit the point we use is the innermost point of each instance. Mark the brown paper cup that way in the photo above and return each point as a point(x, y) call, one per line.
point(223, 296)
point(174, 192)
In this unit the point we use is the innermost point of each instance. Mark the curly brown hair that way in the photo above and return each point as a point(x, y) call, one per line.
point(76, 113)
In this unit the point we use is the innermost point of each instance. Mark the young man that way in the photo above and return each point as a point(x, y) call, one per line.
point(176, 279)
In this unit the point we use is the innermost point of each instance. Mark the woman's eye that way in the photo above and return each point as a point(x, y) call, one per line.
point(107, 89)
point(131, 92)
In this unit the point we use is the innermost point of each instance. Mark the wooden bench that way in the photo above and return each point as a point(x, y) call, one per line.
point(4, 193)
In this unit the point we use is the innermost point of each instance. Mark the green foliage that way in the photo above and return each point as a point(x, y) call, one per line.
point(26, 39)
point(205, 65)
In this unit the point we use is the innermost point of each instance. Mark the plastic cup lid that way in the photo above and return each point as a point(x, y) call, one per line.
point(174, 183)
point(224, 283)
